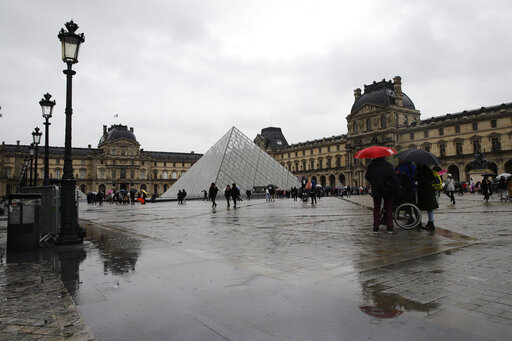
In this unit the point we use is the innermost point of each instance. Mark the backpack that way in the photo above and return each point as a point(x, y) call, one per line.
point(437, 183)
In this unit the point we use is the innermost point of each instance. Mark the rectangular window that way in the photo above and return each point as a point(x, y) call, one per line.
point(476, 146)
point(458, 148)
point(442, 150)
point(496, 145)
point(132, 174)
point(475, 126)
point(8, 171)
point(82, 174)
point(57, 174)
point(425, 133)
point(102, 174)
point(143, 174)
point(114, 174)
point(82, 162)
point(441, 131)
point(328, 149)
point(165, 175)
point(493, 124)
point(426, 147)
point(412, 136)
point(457, 129)
point(174, 176)
point(7, 159)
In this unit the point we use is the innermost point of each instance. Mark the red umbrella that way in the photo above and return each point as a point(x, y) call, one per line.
point(442, 172)
point(374, 152)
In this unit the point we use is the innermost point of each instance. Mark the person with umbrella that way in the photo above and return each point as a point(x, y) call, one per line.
point(427, 200)
point(485, 188)
point(381, 176)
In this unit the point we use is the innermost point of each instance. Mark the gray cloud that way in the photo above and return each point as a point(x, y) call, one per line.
point(182, 73)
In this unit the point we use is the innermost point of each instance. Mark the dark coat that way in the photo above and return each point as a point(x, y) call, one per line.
point(212, 192)
point(426, 194)
point(235, 193)
point(379, 173)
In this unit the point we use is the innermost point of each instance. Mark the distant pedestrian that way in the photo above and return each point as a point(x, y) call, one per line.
point(312, 192)
point(381, 176)
point(427, 200)
point(227, 193)
point(449, 185)
point(486, 188)
point(235, 194)
point(212, 194)
point(248, 193)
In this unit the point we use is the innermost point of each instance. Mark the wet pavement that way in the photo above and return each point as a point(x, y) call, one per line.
point(278, 270)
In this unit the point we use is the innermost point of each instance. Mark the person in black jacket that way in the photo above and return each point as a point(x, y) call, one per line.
point(227, 193)
point(212, 194)
point(381, 176)
point(235, 194)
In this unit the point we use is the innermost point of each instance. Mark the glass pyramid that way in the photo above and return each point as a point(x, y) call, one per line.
point(233, 159)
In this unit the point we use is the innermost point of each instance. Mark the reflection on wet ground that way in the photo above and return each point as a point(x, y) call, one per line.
point(278, 270)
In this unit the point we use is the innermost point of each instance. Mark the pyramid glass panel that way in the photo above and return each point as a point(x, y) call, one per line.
point(233, 159)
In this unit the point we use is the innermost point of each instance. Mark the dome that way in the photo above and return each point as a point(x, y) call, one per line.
point(116, 132)
point(382, 94)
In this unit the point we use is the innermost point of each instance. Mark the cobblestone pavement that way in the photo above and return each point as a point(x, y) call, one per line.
point(323, 259)
point(34, 304)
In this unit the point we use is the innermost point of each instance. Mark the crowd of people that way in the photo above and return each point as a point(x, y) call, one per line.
point(119, 197)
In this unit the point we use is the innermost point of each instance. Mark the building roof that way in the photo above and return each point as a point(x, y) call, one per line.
point(116, 132)
point(380, 93)
point(274, 138)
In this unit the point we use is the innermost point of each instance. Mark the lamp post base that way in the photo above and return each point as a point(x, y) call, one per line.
point(70, 231)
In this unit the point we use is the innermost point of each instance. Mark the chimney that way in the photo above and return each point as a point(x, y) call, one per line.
point(89, 146)
point(131, 129)
point(357, 94)
point(397, 85)
point(17, 142)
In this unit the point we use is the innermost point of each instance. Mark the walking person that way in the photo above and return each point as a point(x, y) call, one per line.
point(212, 194)
point(235, 194)
point(449, 185)
point(227, 193)
point(381, 176)
point(486, 188)
point(502, 188)
point(427, 200)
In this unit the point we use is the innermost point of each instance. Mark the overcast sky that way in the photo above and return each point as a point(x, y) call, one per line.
point(184, 72)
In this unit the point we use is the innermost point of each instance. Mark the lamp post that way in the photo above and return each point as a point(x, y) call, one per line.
point(36, 136)
point(31, 151)
point(70, 230)
point(47, 107)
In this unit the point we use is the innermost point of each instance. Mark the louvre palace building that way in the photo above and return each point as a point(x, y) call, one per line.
point(117, 163)
point(384, 115)
point(381, 115)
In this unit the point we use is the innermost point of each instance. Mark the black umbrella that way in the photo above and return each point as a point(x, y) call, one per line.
point(123, 191)
point(489, 174)
point(133, 190)
point(419, 156)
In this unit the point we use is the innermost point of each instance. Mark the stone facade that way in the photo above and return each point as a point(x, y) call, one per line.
point(117, 163)
point(384, 115)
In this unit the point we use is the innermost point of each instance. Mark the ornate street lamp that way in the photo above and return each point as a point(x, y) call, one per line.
point(31, 151)
point(36, 136)
point(47, 107)
point(70, 230)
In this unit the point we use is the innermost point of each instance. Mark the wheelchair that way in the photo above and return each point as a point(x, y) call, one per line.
point(405, 214)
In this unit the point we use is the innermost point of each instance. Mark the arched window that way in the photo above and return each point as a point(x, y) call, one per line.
point(383, 122)
point(165, 175)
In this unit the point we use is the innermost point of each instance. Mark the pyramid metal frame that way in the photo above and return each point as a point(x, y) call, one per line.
point(233, 159)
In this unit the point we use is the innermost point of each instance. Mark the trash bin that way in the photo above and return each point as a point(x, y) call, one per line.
point(22, 221)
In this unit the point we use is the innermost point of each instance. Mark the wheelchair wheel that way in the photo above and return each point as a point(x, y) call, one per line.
point(407, 216)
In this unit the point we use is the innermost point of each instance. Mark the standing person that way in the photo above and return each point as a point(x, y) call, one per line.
point(235, 194)
point(449, 184)
point(485, 188)
point(179, 196)
point(248, 194)
point(183, 195)
point(502, 188)
point(312, 192)
point(294, 193)
point(426, 194)
point(227, 193)
point(212, 194)
point(381, 176)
